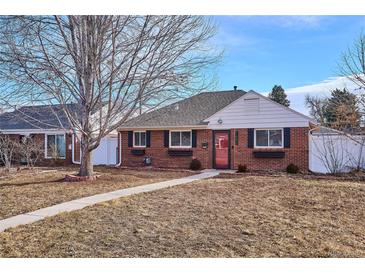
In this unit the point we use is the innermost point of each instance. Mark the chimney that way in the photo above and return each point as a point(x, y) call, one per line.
point(235, 87)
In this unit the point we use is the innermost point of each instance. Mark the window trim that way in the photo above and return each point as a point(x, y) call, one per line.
point(268, 130)
point(46, 144)
point(191, 137)
point(134, 141)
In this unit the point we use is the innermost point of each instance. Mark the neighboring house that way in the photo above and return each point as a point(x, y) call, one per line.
point(221, 129)
point(48, 125)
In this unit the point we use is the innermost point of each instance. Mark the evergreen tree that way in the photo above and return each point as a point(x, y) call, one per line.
point(278, 95)
point(342, 110)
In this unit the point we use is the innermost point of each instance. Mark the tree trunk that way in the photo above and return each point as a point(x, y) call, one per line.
point(86, 167)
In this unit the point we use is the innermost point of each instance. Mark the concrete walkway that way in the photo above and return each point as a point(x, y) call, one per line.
point(40, 214)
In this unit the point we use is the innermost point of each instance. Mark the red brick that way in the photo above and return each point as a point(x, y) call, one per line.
point(241, 154)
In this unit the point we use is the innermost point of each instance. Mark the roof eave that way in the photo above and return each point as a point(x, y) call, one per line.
point(163, 127)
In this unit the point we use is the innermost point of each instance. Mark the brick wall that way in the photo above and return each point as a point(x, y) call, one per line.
point(159, 153)
point(40, 138)
point(240, 154)
point(296, 154)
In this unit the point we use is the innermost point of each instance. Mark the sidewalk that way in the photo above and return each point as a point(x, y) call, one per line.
point(73, 205)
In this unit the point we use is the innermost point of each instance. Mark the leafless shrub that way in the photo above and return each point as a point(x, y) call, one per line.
point(329, 149)
point(55, 154)
point(357, 160)
point(339, 152)
point(7, 150)
point(31, 150)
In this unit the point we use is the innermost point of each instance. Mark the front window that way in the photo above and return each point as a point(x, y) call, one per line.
point(269, 138)
point(180, 139)
point(139, 139)
point(56, 146)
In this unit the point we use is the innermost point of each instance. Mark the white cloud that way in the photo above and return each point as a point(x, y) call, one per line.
point(323, 89)
point(294, 22)
point(300, 21)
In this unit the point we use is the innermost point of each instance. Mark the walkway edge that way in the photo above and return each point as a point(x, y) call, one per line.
point(40, 214)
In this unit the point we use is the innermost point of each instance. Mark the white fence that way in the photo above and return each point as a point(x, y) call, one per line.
point(330, 153)
point(106, 152)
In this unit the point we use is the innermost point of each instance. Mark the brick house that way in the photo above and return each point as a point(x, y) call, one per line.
point(221, 129)
point(48, 125)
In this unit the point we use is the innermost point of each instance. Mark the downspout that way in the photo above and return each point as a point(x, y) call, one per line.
point(73, 147)
point(119, 150)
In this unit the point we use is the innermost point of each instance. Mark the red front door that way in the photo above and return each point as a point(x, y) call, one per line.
point(221, 149)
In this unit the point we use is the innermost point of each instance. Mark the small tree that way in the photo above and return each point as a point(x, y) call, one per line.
point(342, 110)
point(278, 95)
point(317, 108)
point(31, 150)
point(7, 150)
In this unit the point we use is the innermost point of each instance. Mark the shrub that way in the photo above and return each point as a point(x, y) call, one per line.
point(291, 168)
point(242, 168)
point(195, 164)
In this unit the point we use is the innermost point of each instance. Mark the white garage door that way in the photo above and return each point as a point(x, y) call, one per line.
point(106, 153)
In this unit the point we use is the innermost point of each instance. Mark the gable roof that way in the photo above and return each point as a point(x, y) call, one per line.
point(36, 117)
point(191, 111)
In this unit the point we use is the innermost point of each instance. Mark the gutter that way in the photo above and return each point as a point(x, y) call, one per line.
point(164, 127)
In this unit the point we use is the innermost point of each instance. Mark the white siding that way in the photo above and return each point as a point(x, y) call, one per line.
point(255, 111)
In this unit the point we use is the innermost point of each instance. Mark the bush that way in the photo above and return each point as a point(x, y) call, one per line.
point(293, 169)
point(195, 164)
point(242, 168)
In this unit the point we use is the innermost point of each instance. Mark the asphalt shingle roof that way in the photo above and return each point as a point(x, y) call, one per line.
point(190, 111)
point(35, 117)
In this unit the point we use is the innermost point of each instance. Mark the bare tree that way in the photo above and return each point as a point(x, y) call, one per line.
point(31, 150)
point(317, 108)
point(352, 66)
point(103, 69)
point(352, 63)
point(7, 150)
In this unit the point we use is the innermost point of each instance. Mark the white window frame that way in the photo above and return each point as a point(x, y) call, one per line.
point(46, 144)
point(268, 129)
point(182, 130)
point(134, 141)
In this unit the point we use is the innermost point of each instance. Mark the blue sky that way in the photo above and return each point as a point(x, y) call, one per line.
point(293, 51)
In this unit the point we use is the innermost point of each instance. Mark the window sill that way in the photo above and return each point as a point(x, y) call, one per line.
point(266, 148)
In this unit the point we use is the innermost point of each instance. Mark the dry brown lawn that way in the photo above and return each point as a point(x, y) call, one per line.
point(250, 216)
point(28, 190)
